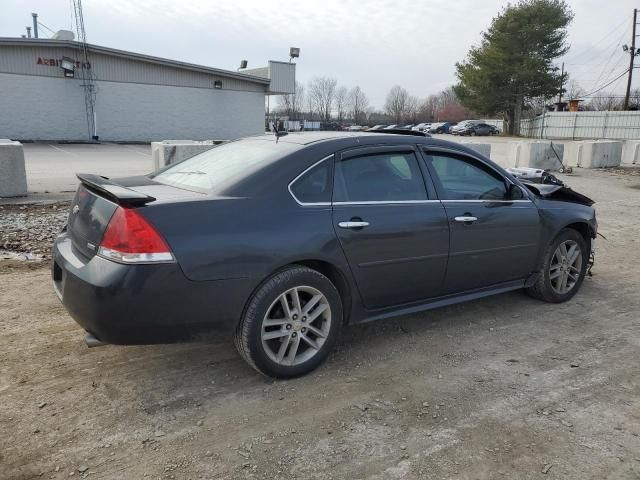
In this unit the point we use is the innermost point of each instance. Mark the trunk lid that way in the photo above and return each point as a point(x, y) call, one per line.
point(97, 198)
point(89, 216)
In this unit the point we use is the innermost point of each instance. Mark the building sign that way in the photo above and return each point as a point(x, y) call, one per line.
point(56, 62)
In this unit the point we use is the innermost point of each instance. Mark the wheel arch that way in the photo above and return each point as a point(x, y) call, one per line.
point(329, 270)
point(584, 229)
point(338, 279)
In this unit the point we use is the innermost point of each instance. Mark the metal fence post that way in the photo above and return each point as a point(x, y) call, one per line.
point(575, 121)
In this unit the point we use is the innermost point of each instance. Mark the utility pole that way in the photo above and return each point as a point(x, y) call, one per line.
point(561, 85)
point(632, 55)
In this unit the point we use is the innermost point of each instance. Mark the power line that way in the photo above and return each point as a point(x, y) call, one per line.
point(617, 44)
point(607, 84)
point(590, 50)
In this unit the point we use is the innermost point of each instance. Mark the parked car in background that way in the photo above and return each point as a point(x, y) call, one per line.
point(391, 127)
point(330, 126)
point(475, 128)
point(281, 241)
point(495, 130)
point(441, 127)
point(376, 127)
point(421, 127)
point(356, 128)
point(456, 129)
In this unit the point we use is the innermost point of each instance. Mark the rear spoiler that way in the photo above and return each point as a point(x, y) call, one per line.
point(119, 194)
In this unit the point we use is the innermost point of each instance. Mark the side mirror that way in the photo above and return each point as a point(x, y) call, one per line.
point(514, 192)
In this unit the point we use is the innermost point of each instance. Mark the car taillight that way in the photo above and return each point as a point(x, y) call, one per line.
point(130, 238)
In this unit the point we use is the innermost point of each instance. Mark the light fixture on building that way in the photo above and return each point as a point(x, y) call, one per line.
point(625, 48)
point(243, 65)
point(217, 84)
point(68, 66)
point(294, 52)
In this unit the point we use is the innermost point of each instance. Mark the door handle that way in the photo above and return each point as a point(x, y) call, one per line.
point(466, 219)
point(353, 224)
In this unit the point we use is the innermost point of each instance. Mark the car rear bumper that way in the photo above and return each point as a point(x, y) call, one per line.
point(142, 304)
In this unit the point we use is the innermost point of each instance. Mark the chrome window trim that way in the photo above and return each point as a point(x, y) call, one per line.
point(307, 204)
point(489, 201)
point(388, 202)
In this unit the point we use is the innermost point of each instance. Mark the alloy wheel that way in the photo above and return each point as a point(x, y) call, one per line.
point(566, 266)
point(296, 326)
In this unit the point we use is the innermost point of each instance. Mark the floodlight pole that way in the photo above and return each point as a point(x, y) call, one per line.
point(632, 55)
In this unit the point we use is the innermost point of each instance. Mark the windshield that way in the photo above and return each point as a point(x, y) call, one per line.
point(218, 169)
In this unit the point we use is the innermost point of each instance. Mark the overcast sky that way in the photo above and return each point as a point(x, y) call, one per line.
point(375, 43)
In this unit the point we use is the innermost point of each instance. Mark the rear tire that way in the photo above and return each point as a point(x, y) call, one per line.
point(291, 323)
point(563, 268)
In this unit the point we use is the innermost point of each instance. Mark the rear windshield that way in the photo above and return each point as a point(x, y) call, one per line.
point(219, 169)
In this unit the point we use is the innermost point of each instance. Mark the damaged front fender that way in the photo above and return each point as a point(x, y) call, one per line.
point(560, 193)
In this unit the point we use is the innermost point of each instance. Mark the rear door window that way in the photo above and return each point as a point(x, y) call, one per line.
point(379, 177)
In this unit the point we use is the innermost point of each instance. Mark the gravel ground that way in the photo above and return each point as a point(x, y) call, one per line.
point(504, 387)
point(27, 231)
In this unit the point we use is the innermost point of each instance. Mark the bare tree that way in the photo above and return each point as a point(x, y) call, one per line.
point(322, 90)
point(634, 99)
point(341, 102)
point(411, 110)
point(358, 104)
point(292, 105)
point(310, 106)
point(396, 103)
point(376, 117)
point(605, 101)
point(574, 91)
point(428, 109)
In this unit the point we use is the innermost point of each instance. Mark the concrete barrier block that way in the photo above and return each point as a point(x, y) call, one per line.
point(173, 151)
point(13, 176)
point(593, 154)
point(532, 154)
point(540, 154)
point(481, 148)
point(631, 152)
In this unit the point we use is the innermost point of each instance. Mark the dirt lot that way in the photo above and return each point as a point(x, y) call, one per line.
point(505, 387)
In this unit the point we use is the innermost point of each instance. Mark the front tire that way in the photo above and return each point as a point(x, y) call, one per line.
point(564, 267)
point(291, 323)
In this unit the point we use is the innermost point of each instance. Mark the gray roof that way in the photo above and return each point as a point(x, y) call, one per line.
point(306, 138)
point(47, 42)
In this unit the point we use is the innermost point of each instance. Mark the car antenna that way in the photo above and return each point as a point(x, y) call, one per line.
point(276, 130)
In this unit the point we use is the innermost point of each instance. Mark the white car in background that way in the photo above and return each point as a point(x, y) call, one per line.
point(421, 127)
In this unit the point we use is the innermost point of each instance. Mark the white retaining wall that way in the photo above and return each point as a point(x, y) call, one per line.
point(534, 154)
point(481, 148)
point(13, 177)
point(593, 154)
point(631, 152)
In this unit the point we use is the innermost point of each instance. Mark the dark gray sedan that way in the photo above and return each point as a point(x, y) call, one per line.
point(283, 241)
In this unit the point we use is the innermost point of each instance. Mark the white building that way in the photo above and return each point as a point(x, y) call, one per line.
point(48, 91)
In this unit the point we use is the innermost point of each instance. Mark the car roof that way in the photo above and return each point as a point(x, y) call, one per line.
point(341, 140)
point(307, 138)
